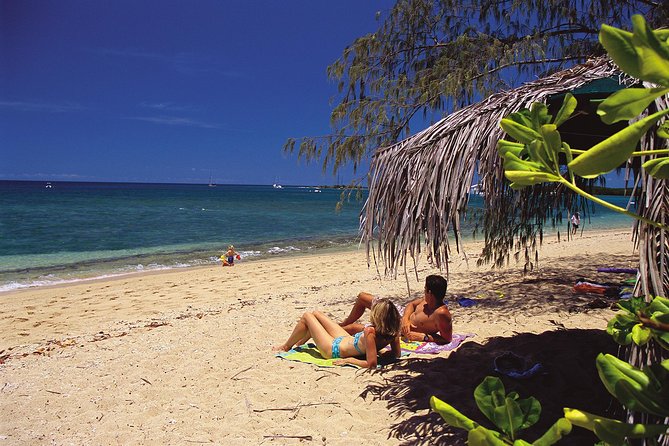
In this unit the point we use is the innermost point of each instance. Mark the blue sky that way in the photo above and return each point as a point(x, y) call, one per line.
point(169, 91)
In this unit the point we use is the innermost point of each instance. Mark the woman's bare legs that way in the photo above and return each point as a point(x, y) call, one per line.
point(362, 302)
point(300, 331)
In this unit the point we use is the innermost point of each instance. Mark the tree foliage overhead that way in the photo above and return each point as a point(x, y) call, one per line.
point(433, 56)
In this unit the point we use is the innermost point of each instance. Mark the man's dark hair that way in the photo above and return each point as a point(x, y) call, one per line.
point(437, 285)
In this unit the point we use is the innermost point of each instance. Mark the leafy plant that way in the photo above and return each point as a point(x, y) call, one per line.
point(641, 321)
point(644, 390)
point(539, 155)
point(507, 412)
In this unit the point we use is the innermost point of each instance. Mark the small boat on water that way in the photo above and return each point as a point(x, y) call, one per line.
point(211, 183)
point(48, 186)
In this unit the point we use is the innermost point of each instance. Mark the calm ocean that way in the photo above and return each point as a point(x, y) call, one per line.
point(73, 231)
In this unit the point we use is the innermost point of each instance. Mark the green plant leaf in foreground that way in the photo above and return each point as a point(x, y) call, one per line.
point(558, 430)
point(613, 432)
point(451, 415)
point(566, 110)
point(641, 54)
point(480, 436)
point(636, 389)
point(614, 150)
point(628, 103)
point(657, 168)
point(524, 178)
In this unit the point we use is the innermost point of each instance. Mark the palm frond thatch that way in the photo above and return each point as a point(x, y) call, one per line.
point(419, 187)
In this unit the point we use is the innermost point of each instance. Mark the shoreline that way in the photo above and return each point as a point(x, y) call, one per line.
point(186, 356)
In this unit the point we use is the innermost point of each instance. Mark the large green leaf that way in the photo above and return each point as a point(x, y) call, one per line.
point(489, 395)
point(512, 162)
point(613, 151)
point(484, 437)
point(519, 132)
point(552, 141)
point(640, 54)
point(525, 178)
point(531, 409)
point(568, 106)
point(653, 55)
point(628, 104)
point(618, 44)
point(657, 168)
point(451, 415)
point(508, 417)
point(504, 146)
point(640, 334)
point(558, 430)
point(539, 114)
point(613, 432)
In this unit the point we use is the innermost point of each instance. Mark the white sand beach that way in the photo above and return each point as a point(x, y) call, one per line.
point(185, 357)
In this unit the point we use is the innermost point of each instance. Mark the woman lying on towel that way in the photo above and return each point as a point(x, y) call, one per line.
point(334, 342)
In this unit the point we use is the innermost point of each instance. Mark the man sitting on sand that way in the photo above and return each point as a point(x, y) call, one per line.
point(425, 319)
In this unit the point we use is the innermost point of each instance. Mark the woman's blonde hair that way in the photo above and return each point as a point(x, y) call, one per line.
point(385, 318)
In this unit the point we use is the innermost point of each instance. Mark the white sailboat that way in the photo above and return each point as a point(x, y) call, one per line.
point(211, 183)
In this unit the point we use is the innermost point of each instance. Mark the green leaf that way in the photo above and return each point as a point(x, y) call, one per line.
point(660, 304)
point(525, 178)
point(538, 153)
point(558, 430)
point(663, 130)
point(628, 104)
point(512, 162)
point(613, 151)
point(489, 395)
point(451, 415)
point(531, 409)
point(508, 417)
point(640, 334)
point(566, 110)
point(552, 140)
point(640, 54)
point(653, 55)
point(540, 116)
point(484, 437)
point(504, 147)
point(519, 132)
point(657, 168)
point(613, 432)
point(618, 43)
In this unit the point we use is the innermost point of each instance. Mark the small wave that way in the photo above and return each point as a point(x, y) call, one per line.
point(278, 250)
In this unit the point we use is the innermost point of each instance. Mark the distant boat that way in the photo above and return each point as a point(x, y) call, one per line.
point(48, 186)
point(211, 183)
point(277, 186)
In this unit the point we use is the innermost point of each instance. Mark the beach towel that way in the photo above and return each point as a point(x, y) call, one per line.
point(308, 353)
point(618, 270)
point(432, 348)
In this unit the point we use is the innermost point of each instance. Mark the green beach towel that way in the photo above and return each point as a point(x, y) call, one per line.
point(308, 353)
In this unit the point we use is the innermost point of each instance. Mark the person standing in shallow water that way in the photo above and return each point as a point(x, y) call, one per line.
point(575, 222)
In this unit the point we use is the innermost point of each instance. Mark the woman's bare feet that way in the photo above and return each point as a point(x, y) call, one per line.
point(281, 348)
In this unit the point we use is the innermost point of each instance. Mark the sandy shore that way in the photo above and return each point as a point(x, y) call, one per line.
point(184, 357)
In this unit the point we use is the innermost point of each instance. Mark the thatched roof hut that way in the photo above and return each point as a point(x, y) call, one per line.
point(419, 187)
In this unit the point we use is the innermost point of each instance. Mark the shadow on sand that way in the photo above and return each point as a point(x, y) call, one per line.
point(569, 379)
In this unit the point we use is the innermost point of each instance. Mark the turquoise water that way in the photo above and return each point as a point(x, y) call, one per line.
point(73, 231)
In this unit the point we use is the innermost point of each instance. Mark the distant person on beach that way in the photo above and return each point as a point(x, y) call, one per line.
point(575, 221)
point(229, 257)
point(425, 319)
point(336, 343)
